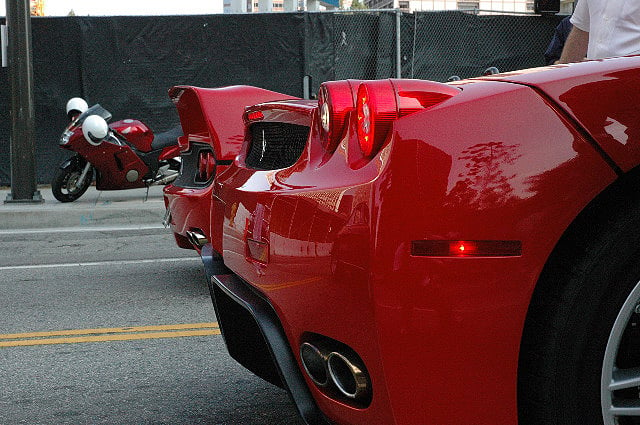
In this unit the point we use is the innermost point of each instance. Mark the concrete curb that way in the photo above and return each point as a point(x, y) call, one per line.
point(94, 209)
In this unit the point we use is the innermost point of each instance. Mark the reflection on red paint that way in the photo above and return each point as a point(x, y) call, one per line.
point(258, 251)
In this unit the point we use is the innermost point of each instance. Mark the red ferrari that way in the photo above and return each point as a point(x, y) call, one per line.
point(412, 252)
point(212, 139)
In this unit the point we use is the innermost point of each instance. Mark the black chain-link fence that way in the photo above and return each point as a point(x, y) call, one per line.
point(446, 43)
point(128, 63)
point(430, 45)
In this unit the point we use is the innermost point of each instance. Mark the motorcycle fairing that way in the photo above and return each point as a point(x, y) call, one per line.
point(126, 160)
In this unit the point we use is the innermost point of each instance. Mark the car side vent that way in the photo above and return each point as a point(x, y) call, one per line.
point(275, 145)
point(188, 176)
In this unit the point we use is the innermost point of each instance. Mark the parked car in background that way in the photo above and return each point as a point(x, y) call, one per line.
point(412, 252)
point(213, 136)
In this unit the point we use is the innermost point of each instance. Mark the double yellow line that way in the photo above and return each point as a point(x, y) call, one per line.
point(108, 334)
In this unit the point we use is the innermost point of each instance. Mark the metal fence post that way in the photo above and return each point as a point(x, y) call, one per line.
point(22, 139)
point(398, 45)
point(3, 45)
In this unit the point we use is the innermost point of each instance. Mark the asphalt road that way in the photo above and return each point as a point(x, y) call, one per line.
point(116, 326)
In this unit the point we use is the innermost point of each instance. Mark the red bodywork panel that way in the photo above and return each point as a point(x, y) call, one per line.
point(440, 336)
point(214, 117)
point(136, 133)
point(603, 99)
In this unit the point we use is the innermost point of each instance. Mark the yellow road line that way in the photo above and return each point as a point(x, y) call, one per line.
point(109, 334)
point(110, 330)
point(110, 337)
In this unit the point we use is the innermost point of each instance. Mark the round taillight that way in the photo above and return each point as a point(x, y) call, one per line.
point(206, 166)
point(335, 101)
point(364, 123)
point(375, 111)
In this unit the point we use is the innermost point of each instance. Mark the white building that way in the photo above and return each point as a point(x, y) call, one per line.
point(251, 6)
point(514, 6)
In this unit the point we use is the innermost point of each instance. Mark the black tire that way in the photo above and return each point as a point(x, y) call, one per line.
point(562, 376)
point(64, 180)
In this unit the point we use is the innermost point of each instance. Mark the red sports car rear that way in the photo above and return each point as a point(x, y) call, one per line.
point(410, 252)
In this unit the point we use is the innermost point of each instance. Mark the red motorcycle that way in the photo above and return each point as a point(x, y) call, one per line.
point(125, 154)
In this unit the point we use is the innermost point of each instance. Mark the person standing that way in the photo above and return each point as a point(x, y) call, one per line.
point(554, 50)
point(601, 29)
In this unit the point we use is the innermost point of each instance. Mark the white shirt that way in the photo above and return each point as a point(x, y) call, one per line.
point(613, 26)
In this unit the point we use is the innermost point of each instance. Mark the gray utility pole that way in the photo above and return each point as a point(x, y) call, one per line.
point(23, 164)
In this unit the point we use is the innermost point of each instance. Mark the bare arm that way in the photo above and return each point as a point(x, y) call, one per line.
point(575, 49)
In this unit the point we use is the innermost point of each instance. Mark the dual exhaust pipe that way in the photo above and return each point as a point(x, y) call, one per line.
point(338, 369)
point(197, 238)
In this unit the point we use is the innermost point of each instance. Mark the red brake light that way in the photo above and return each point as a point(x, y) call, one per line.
point(375, 112)
point(487, 248)
point(335, 100)
point(381, 102)
point(206, 166)
point(364, 121)
point(255, 116)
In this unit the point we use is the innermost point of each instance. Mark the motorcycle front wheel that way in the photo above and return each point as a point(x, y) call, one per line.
point(66, 186)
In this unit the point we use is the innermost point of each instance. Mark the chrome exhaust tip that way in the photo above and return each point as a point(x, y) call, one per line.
point(314, 361)
point(197, 238)
point(348, 377)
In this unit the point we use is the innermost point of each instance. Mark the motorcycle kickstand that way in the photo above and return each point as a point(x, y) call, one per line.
point(146, 196)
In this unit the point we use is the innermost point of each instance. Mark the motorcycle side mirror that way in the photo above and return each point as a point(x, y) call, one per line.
point(95, 129)
point(75, 107)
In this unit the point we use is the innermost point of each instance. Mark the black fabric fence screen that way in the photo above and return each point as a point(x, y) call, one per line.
point(127, 64)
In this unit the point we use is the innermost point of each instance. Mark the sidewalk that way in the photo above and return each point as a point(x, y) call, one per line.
point(93, 209)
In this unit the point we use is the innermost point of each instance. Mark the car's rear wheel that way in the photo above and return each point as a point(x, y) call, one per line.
point(580, 354)
point(620, 384)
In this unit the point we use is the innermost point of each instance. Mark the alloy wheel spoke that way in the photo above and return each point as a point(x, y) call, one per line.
point(626, 408)
point(625, 378)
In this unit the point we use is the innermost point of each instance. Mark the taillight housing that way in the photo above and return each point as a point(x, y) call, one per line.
point(379, 103)
point(335, 101)
point(206, 166)
point(376, 110)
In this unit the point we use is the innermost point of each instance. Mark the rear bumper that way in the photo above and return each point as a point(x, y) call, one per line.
point(189, 211)
point(188, 199)
point(254, 335)
point(327, 245)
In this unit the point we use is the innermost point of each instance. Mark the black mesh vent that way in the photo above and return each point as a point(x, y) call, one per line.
point(275, 145)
